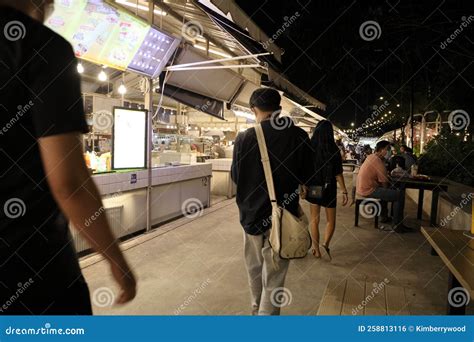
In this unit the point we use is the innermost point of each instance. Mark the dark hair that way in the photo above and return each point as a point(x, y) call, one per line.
point(323, 140)
point(407, 149)
point(381, 145)
point(265, 99)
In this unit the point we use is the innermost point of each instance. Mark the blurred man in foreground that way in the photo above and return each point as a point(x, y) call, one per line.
point(44, 180)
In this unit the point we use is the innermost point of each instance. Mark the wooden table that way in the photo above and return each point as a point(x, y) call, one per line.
point(457, 252)
point(422, 185)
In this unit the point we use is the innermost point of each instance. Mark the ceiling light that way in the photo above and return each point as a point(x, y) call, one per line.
point(122, 89)
point(102, 76)
point(80, 68)
point(141, 7)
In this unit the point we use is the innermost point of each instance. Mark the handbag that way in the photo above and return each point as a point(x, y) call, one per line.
point(289, 235)
point(318, 192)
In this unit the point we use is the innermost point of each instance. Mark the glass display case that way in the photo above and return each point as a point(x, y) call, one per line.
point(176, 149)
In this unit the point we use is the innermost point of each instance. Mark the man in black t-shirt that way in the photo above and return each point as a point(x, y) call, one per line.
point(43, 177)
point(290, 153)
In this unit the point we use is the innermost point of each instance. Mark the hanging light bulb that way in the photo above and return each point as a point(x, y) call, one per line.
point(80, 68)
point(122, 89)
point(102, 76)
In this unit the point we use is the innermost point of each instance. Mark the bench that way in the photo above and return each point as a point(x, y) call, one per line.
point(363, 298)
point(456, 250)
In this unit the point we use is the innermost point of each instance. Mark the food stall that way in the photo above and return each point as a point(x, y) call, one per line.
point(115, 47)
point(195, 90)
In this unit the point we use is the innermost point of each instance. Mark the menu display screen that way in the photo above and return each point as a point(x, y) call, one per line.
point(129, 138)
point(104, 34)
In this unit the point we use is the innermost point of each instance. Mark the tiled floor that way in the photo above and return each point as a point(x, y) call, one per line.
point(195, 267)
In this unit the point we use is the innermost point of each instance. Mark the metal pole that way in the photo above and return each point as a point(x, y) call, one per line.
point(422, 133)
point(236, 66)
point(149, 148)
point(149, 144)
point(219, 60)
point(411, 113)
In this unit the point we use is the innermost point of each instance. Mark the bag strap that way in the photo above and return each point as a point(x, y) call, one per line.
point(266, 163)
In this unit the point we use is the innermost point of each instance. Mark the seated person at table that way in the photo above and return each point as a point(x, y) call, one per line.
point(396, 161)
point(372, 181)
point(407, 154)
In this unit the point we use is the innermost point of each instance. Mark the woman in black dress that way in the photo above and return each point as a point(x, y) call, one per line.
point(328, 166)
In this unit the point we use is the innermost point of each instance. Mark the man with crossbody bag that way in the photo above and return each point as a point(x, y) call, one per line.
point(287, 157)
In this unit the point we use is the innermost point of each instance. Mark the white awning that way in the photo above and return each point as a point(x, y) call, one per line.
point(243, 98)
point(219, 84)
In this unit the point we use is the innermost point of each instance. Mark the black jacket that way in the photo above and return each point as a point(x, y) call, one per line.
point(291, 159)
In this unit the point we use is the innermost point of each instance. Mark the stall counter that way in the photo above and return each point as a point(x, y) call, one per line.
point(222, 184)
point(173, 189)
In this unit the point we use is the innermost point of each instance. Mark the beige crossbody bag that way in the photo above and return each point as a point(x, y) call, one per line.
point(289, 235)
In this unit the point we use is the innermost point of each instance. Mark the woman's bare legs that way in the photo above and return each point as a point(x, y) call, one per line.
point(315, 212)
point(330, 225)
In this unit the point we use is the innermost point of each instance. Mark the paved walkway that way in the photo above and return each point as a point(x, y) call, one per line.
point(195, 267)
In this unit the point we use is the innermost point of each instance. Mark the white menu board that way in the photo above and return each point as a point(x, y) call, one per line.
point(129, 138)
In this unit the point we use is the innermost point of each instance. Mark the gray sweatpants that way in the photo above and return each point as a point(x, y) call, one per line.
point(263, 277)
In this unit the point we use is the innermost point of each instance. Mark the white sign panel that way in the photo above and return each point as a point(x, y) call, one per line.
point(129, 138)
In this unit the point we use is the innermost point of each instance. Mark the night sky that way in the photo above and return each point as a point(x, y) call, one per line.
point(326, 55)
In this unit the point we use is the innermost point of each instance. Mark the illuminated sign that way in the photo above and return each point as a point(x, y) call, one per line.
point(129, 136)
point(104, 34)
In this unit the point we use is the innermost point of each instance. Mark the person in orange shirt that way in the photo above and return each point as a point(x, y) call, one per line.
point(373, 182)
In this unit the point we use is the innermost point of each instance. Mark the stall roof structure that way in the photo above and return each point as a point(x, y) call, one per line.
point(220, 29)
